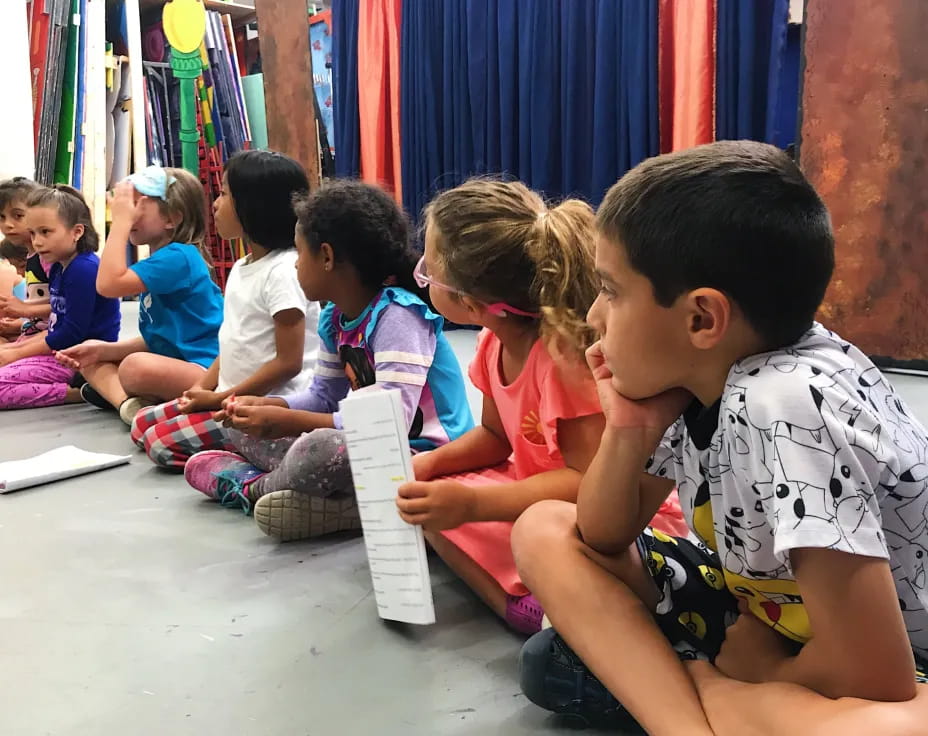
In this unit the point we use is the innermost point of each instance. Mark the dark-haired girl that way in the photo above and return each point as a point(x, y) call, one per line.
point(291, 466)
point(267, 342)
point(59, 223)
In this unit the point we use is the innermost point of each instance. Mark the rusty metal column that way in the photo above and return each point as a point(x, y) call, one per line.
point(864, 145)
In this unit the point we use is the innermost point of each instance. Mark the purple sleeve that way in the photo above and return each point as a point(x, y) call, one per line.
point(330, 385)
point(403, 344)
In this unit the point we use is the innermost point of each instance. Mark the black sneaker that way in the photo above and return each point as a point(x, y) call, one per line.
point(77, 381)
point(555, 678)
point(90, 395)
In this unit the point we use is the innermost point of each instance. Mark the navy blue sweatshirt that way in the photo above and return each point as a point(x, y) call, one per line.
point(78, 312)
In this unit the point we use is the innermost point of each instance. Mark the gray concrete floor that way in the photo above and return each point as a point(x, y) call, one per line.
point(130, 605)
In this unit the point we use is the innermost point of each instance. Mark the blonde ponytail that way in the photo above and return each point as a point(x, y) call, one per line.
point(499, 242)
point(565, 283)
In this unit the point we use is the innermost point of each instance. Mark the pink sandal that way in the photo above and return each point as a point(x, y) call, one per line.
point(524, 613)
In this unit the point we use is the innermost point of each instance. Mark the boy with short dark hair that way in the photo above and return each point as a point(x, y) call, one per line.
point(799, 469)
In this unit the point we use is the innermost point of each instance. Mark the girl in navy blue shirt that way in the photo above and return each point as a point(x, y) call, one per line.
point(62, 234)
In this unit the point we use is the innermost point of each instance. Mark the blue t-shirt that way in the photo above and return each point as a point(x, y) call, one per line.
point(78, 312)
point(181, 308)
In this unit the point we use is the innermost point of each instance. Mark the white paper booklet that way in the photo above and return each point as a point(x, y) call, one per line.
point(62, 462)
point(378, 448)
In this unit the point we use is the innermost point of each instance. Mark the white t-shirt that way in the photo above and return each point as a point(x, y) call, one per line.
point(807, 447)
point(255, 292)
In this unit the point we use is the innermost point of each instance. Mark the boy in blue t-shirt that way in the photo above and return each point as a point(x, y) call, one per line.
point(801, 473)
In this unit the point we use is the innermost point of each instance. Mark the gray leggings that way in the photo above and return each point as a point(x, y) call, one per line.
point(315, 463)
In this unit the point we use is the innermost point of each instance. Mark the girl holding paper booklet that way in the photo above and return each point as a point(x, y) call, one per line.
point(496, 255)
point(290, 466)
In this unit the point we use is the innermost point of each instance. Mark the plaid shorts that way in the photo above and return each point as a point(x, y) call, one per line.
point(695, 607)
point(170, 438)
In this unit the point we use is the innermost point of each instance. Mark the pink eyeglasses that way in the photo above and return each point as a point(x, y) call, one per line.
point(500, 309)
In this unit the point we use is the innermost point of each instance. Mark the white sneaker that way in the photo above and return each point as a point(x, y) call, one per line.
point(129, 408)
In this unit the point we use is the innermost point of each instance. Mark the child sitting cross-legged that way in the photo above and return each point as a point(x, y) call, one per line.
point(497, 256)
point(291, 465)
point(800, 470)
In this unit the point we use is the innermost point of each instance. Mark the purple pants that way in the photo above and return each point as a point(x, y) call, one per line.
point(33, 382)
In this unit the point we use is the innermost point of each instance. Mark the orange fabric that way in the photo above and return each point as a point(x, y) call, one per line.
point(530, 408)
point(686, 63)
point(379, 93)
point(532, 404)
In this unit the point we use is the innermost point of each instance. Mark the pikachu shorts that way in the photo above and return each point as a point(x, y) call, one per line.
point(694, 607)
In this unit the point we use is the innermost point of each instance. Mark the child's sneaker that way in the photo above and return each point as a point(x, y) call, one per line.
point(524, 613)
point(289, 516)
point(91, 396)
point(222, 476)
point(555, 678)
point(129, 408)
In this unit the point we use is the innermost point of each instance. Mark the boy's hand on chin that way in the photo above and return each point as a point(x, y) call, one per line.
point(655, 413)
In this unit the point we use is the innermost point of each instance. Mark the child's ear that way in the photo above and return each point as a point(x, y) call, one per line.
point(78, 232)
point(708, 317)
point(328, 256)
point(474, 307)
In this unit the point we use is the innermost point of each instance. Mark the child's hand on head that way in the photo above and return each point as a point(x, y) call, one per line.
point(123, 204)
point(436, 505)
point(656, 413)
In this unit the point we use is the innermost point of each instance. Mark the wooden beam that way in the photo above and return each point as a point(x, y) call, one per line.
point(134, 33)
point(283, 34)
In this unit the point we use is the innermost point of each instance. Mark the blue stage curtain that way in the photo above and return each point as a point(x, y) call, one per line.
point(562, 95)
point(347, 132)
point(750, 58)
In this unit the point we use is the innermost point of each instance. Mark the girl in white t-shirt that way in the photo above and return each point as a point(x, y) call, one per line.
point(268, 339)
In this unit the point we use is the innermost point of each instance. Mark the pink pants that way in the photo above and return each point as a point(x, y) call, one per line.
point(33, 382)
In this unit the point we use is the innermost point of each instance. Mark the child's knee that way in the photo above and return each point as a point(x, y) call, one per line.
point(318, 461)
point(541, 528)
point(158, 451)
point(135, 374)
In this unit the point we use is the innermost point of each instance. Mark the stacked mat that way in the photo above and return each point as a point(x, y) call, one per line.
point(53, 53)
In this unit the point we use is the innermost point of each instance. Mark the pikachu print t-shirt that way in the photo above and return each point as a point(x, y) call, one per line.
point(532, 404)
point(808, 447)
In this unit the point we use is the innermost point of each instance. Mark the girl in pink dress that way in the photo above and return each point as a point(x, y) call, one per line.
point(497, 256)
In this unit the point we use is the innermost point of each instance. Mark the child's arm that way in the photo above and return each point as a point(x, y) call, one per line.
point(26, 349)
point(10, 306)
point(115, 278)
point(483, 447)
point(446, 504)
point(859, 646)
point(617, 499)
point(289, 337)
point(98, 351)
point(291, 415)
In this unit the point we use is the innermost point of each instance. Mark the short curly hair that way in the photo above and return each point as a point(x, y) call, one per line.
point(364, 227)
